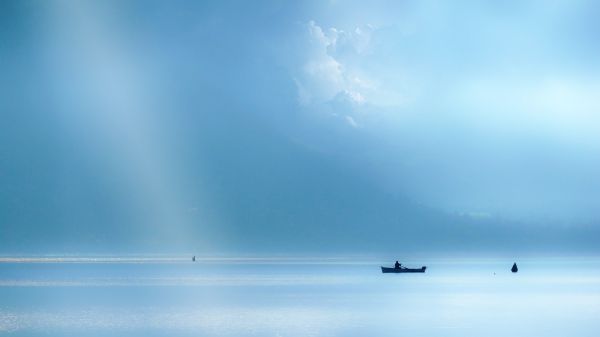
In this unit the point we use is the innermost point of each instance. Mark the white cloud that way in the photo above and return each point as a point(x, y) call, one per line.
point(325, 75)
point(331, 75)
point(352, 122)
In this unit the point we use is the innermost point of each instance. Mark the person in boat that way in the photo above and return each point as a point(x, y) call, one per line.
point(397, 265)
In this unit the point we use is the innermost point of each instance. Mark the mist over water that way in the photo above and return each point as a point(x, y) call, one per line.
point(275, 296)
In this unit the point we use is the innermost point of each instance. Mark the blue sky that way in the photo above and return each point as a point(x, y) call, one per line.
point(203, 124)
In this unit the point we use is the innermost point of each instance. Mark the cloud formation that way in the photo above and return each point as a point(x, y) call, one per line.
point(466, 99)
point(330, 71)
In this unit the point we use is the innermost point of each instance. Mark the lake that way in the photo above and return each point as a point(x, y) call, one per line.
point(285, 296)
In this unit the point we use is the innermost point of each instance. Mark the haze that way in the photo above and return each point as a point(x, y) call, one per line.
point(286, 127)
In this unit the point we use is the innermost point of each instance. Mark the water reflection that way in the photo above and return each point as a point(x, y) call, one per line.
point(309, 297)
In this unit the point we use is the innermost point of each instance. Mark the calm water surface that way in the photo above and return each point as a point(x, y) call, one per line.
point(153, 296)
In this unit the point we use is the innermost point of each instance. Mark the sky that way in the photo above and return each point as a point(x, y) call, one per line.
point(292, 126)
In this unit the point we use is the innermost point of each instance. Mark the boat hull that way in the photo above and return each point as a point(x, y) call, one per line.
point(386, 270)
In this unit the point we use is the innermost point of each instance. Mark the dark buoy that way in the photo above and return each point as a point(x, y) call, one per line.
point(514, 268)
point(193, 258)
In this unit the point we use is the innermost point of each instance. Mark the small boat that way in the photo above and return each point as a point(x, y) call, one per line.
point(514, 268)
point(403, 270)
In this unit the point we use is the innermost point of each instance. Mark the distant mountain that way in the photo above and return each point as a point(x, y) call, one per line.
point(266, 194)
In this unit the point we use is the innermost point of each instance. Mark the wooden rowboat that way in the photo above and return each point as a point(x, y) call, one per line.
point(403, 270)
